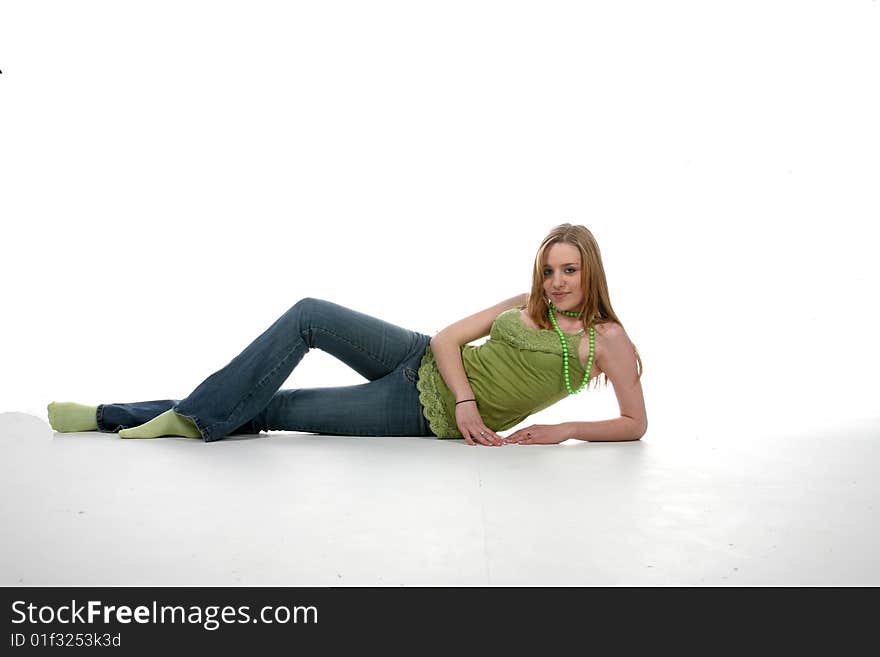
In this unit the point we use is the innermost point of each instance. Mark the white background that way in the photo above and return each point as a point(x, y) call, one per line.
point(174, 175)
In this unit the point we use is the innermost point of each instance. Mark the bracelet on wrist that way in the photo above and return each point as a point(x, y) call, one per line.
point(464, 400)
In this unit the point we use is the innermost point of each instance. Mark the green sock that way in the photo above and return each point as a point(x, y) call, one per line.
point(68, 416)
point(168, 423)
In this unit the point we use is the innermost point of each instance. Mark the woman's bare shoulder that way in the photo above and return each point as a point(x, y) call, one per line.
point(609, 328)
point(609, 336)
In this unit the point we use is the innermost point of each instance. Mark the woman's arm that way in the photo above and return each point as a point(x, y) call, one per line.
point(446, 345)
point(618, 429)
point(619, 364)
point(618, 361)
point(447, 353)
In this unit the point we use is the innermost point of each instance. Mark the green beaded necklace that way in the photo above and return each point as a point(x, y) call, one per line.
point(565, 348)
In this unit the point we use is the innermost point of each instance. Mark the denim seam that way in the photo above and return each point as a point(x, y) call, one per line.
point(355, 345)
point(259, 385)
point(205, 431)
point(337, 431)
point(262, 382)
point(404, 370)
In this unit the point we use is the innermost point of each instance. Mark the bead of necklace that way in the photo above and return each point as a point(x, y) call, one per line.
point(553, 309)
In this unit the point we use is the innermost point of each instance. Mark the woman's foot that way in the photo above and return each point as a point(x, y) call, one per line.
point(69, 416)
point(168, 423)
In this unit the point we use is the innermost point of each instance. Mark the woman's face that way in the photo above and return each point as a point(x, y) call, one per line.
point(562, 273)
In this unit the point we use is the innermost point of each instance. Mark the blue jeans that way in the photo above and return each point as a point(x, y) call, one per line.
point(244, 396)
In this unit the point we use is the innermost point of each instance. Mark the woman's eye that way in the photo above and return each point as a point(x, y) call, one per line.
point(570, 270)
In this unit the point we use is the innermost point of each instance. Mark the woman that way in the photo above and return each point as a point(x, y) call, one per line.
point(542, 346)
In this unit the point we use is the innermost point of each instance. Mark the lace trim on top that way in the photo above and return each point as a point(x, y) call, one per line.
point(432, 401)
point(509, 327)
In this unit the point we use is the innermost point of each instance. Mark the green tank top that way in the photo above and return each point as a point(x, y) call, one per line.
point(515, 373)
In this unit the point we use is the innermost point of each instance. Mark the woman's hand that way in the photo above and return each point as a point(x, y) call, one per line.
point(539, 434)
point(472, 427)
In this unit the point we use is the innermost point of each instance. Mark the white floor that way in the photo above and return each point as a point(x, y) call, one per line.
point(299, 509)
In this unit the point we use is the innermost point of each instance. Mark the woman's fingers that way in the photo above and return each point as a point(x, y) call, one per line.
point(482, 435)
point(472, 427)
point(477, 437)
point(486, 437)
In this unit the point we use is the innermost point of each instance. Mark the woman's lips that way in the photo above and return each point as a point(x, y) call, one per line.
point(562, 294)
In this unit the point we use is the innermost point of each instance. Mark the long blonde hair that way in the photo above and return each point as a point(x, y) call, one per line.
point(596, 306)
